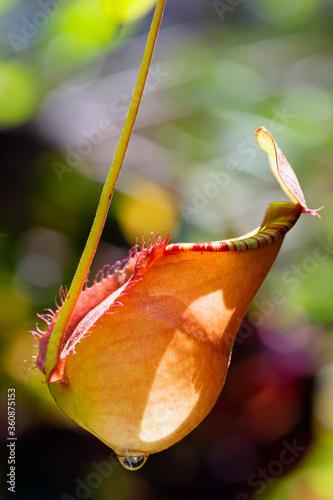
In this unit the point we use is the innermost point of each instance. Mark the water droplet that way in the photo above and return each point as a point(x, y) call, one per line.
point(133, 463)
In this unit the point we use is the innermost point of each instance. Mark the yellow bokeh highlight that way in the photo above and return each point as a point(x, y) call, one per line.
point(127, 10)
point(148, 207)
point(19, 93)
point(85, 20)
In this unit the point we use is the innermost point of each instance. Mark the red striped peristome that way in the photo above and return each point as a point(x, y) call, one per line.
point(279, 219)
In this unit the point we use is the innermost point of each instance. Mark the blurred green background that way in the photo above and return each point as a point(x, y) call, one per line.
point(221, 69)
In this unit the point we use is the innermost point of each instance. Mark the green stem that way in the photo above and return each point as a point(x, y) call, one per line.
point(67, 309)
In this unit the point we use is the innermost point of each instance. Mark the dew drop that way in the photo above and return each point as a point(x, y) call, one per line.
point(133, 463)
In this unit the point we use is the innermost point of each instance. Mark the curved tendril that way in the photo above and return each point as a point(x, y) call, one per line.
point(105, 199)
